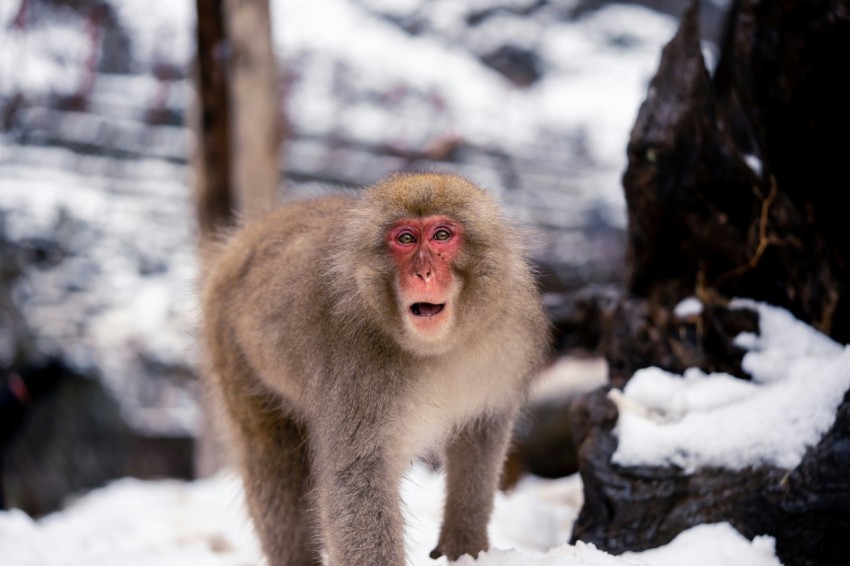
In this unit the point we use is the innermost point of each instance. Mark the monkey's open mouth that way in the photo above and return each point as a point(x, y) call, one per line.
point(426, 309)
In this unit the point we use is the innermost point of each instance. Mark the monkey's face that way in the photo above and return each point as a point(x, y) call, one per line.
point(423, 250)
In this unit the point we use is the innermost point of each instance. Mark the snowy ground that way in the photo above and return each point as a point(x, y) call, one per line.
point(133, 523)
point(799, 377)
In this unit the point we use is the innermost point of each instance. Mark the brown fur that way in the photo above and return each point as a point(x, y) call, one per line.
point(330, 397)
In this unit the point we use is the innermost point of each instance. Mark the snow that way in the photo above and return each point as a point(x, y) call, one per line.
point(710, 545)
point(799, 378)
point(163, 36)
point(688, 307)
point(203, 523)
point(132, 281)
point(593, 84)
point(47, 58)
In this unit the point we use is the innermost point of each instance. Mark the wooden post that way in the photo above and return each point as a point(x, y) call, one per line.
point(255, 116)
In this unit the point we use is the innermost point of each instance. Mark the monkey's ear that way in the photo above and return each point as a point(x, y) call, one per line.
point(436, 553)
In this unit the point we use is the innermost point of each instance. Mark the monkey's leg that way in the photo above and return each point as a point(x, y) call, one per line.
point(474, 460)
point(275, 472)
point(358, 497)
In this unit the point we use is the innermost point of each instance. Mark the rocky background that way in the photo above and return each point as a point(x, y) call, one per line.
point(98, 234)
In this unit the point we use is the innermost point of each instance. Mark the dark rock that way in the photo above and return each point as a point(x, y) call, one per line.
point(637, 333)
point(518, 65)
point(815, 509)
point(806, 510)
point(707, 219)
point(17, 342)
point(74, 438)
point(579, 317)
point(700, 218)
point(643, 507)
point(543, 443)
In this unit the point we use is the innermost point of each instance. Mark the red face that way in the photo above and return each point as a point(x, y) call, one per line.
point(423, 249)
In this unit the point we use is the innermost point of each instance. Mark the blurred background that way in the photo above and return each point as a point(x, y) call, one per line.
point(100, 137)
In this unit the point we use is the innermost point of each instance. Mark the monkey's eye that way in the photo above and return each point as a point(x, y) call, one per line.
point(442, 234)
point(406, 238)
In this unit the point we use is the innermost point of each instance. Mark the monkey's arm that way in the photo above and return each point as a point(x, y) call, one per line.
point(473, 464)
point(358, 490)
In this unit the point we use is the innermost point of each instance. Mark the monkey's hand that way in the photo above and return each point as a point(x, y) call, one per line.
point(456, 544)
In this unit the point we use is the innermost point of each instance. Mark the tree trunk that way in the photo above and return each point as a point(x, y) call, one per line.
point(733, 190)
point(237, 126)
point(255, 118)
point(210, 121)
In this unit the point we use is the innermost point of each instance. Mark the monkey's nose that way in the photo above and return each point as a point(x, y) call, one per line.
point(425, 273)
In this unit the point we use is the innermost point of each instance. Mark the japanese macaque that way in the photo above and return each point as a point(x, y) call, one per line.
point(346, 336)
